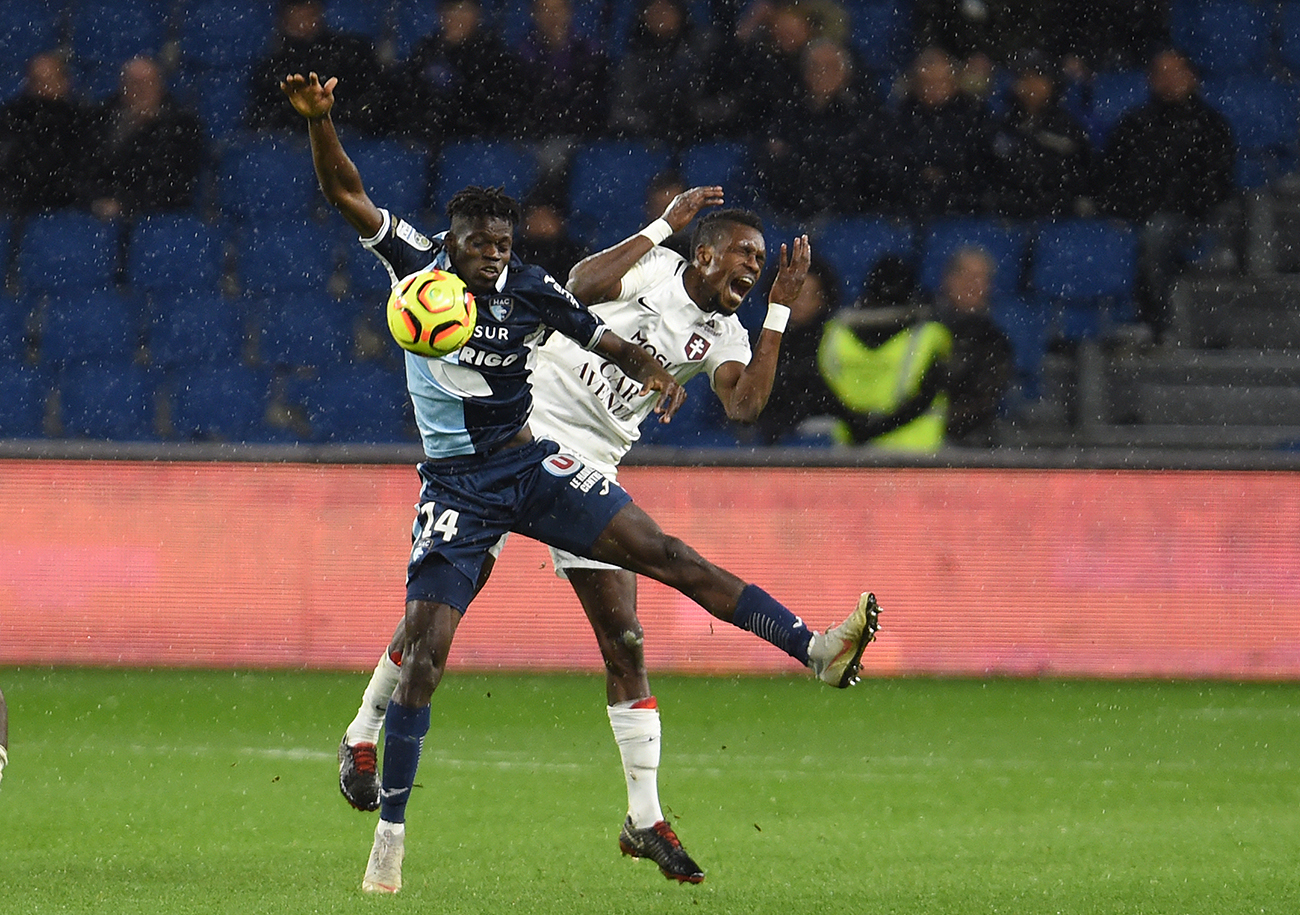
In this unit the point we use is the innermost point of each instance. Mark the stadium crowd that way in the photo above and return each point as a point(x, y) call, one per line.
point(145, 166)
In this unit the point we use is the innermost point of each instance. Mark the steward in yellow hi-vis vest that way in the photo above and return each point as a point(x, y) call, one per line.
point(887, 369)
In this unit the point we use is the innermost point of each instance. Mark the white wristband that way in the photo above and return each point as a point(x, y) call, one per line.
point(657, 231)
point(777, 317)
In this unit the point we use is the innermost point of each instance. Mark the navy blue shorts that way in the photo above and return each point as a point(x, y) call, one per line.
point(466, 505)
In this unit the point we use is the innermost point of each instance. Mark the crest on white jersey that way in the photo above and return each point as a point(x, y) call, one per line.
point(696, 347)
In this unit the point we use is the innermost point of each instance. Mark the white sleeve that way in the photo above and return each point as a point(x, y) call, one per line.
point(654, 266)
point(734, 347)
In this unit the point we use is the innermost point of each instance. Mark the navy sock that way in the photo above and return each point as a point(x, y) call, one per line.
point(767, 618)
point(404, 730)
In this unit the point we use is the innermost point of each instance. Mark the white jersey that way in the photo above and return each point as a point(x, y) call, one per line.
point(586, 403)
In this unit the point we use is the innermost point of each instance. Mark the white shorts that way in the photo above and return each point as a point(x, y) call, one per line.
point(560, 559)
point(564, 561)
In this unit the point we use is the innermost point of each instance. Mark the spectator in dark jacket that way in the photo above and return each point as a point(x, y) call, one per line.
point(980, 365)
point(767, 47)
point(821, 153)
point(1044, 160)
point(1168, 165)
point(940, 150)
point(151, 150)
point(567, 73)
point(46, 141)
point(1173, 154)
point(462, 77)
point(304, 43)
point(658, 90)
point(798, 391)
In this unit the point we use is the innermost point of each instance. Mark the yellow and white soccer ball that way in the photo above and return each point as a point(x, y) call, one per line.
point(431, 313)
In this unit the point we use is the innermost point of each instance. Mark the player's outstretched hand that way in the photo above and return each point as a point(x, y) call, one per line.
point(792, 269)
point(686, 204)
point(308, 96)
point(671, 394)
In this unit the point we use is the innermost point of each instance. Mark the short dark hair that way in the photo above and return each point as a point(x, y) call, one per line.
point(476, 202)
point(708, 231)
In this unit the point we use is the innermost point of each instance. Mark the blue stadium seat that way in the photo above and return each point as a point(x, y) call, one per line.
point(1113, 94)
point(1226, 37)
point(108, 401)
point(1263, 113)
point(881, 33)
point(700, 423)
point(6, 245)
point(607, 188)
point(15, 313)
point(66, 249)
point(268, 177)
point(1288, 36)
point(367, 278)
point(176, 255)
point(284, 255)
point(398, 174)
point(852, 245)
point(489, 163)
point(723, 162)
point(24, 390)
point(224, 35)
point(1085, 269)
point(219, 96)
point(107, 33)
point(101, 325)
point(196, 328)
point(413, 20)
point(1026, 324)
point(359, 403)
point(1007, 243)
point(368, 18)
point(219, 41)
point(302, 329)
point(223, 402)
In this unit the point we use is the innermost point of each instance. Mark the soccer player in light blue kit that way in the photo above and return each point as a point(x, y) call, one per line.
point(487, 475)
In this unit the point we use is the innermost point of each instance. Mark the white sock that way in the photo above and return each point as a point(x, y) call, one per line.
point(374, 703)
point(637, 733)
point(385, 826)
point(4, 760)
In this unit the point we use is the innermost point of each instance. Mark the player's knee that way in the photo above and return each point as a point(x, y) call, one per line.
point(680, 562)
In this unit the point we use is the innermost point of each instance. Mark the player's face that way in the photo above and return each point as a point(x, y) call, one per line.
point(479, 249)
point(732, 267)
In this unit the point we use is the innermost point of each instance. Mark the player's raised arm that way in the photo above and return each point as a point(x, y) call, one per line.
point(338, 176)
point(744, 389)
point(640, 366)
point(599, 278)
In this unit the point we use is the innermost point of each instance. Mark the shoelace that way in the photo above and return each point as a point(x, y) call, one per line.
point(666, 831)
point(365, 757)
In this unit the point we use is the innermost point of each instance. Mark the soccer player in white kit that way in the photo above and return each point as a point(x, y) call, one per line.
point(683, 314)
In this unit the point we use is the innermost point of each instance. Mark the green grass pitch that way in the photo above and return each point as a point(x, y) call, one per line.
point(214, 792)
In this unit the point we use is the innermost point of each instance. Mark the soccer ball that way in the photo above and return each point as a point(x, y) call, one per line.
point(431, 313)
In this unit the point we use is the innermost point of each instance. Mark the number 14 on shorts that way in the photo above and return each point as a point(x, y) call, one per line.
point(430, 524)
